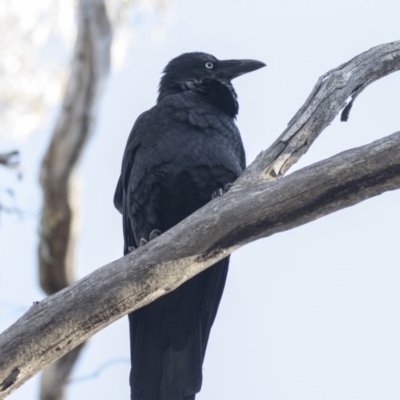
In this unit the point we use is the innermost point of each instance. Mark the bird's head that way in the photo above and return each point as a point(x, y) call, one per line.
point(191, 70)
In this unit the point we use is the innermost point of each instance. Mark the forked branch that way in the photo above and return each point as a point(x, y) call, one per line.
point(257, 206)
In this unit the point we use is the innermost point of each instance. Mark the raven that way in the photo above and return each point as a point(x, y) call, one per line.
point(179, 154)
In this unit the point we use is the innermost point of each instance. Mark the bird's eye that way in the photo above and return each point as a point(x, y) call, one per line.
point(209, 65)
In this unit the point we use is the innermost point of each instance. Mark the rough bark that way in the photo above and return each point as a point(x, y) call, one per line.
point(255, 207)
point(56, 251)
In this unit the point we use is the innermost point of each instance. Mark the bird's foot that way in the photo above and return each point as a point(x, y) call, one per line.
point(131, 248)
point(153, 234)
point(221, 191)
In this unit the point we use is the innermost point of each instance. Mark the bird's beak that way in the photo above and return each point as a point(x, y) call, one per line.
point(230, 69)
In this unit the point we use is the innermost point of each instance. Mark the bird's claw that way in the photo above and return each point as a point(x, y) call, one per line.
point(221, 191)
point(131, 248)
point(227, 187)
point(153, 234)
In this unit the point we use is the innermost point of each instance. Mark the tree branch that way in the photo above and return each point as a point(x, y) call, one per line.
point(325, 101)
point(75, 123)
point(252, 209)
point(56, 250)
point(10, 159)
point(54, 326)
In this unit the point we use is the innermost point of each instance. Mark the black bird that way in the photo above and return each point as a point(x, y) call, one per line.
point(179, 153)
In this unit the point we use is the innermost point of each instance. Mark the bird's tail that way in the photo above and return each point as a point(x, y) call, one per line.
point(169, 338)
point(166, 357)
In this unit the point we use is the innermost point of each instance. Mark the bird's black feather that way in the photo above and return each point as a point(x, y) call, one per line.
point(178, 153)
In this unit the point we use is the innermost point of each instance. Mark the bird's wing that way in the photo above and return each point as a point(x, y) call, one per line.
point(135, 139)
point(121, 195)
point(170, 335)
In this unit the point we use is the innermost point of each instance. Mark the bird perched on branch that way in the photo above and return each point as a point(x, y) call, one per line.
point(179, 154)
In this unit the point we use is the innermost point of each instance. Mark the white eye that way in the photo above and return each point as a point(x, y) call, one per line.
point(209, 65)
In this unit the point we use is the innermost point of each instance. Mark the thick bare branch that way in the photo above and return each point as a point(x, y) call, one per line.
point(90, 65)
point(325, 101)
point(252, 209)
point(54, 326)
point(75, 123)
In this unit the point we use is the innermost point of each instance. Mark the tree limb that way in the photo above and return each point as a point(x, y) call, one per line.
point(254, 208)
point(325, 101)
point(54, 326)
point(10, 159)
point(56, 250)
point(75, 123)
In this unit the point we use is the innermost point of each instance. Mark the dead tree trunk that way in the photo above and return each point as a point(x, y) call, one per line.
point(77, 117)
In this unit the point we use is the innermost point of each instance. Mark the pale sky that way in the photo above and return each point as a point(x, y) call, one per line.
point(307, 314)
